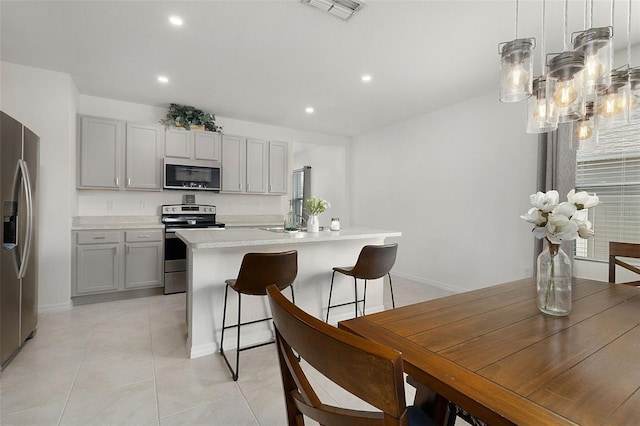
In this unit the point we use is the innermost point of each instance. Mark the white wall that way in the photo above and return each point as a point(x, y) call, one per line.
point(455, 183)
point(97, 202)
point(45, 101)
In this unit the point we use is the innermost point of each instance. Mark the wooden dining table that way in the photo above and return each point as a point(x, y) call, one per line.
point(494, 354)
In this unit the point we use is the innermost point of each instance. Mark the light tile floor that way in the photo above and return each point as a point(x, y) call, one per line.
point(125, 363)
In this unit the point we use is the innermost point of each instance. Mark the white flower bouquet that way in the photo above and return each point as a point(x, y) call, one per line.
point(558, 222)
point(316, 206)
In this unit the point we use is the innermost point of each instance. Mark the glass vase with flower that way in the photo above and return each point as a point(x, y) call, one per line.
point(314, 207)
point(557, 222)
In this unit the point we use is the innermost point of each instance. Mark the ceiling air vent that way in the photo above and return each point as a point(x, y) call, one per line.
point(341, 8)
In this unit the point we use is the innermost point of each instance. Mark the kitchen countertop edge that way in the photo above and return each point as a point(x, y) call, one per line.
point(207, 239)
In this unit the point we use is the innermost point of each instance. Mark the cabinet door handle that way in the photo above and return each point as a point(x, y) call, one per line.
point(128, 181)
point(143, 236)
point(240, 187)
point(117, 181)
point(98, 238)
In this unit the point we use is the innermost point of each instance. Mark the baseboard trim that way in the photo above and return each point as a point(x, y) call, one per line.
point(432, 283)
point(117, 295)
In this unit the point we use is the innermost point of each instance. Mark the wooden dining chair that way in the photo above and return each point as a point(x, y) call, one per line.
point(628, 250)
point(368, 370)
point(374, 261)
point(257, 271)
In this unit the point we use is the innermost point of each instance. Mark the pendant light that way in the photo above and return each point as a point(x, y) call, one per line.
point(537, 103)
point(564, 81)
point(584, 128)
point(634, 93)
point(596, 44)
point(516, 67)
point(564, 86)
point(612, 106)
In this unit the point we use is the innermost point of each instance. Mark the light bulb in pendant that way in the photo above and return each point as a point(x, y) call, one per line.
point(624, 101)
point(565, 94)
point(540, 111)
point(593, 67)
point(609, 106)
point(583, 130)
point(517, 77)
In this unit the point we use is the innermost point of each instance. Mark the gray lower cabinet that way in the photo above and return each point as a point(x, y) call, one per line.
point(116, 260)
point(143, 259)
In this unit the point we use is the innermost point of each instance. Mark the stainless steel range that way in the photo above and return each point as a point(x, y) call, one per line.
point(179, 217)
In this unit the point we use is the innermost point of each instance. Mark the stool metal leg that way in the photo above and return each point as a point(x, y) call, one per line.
point(224, 317)
point(364, 299)
point(393, 302)
point(355, 288)
point(330, 291)
point(234, 373)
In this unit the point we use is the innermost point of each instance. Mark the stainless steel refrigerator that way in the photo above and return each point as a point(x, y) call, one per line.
point(18, 256)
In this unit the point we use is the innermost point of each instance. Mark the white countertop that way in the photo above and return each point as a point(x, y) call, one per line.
point(206, 238)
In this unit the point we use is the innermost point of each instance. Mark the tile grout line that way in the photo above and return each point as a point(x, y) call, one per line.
point(153, 366)
point(75, 377)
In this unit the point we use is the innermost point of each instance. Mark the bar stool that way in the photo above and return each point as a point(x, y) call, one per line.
point(373, 262)
point(257, 271)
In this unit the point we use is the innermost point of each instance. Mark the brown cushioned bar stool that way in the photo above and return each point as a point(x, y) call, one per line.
point(373, 262)
point(257, 271)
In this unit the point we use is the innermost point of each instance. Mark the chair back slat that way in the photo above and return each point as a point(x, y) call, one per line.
point(375, 261)
point(628, 250)
point(368, 370)
point(259, 270)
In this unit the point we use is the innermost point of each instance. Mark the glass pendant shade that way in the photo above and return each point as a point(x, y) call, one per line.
point(612, 107)
point(537, 107)
point(516, 69)
point(564, 86)
point(584, 129)
point(634, 93)
point(597, 47)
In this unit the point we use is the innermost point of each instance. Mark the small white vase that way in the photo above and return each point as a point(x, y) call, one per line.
point(313, 224)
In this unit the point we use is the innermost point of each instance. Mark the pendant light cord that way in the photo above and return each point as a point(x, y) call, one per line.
point(517, 19)
point(629, 36)
point(564, 35)
point(544, 59)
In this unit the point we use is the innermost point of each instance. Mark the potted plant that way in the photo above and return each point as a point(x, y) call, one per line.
point(188, 117)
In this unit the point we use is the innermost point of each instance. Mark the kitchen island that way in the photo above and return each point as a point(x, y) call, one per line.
point(214, 256)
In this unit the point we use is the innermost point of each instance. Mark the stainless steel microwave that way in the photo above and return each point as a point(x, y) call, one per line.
point(191, 175)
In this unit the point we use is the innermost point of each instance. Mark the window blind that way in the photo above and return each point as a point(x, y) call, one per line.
point(610, 168)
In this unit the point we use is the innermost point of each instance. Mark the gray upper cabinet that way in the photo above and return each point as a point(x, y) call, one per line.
point(234, 151)
point(145, 145)
point(99, 155)
point(193, 144)
point(178, 143)
point(278, 167)
point(206, 145)
point(118, 155)
point(256, 166)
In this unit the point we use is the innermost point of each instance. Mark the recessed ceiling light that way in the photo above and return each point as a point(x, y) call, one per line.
point(309, 110)
point(366, 77)
point(163, 79)
point(175, 20)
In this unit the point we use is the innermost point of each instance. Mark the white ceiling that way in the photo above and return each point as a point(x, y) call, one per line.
point(266, 61)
